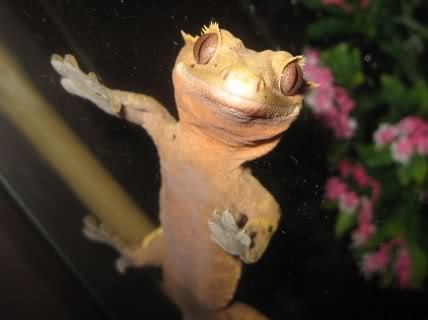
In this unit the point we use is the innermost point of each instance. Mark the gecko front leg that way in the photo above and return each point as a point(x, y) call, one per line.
point(227, 234)
point(134, 107)
point(243, 237)
point(84, 85)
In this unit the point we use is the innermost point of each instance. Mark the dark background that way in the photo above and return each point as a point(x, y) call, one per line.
point(49, 270)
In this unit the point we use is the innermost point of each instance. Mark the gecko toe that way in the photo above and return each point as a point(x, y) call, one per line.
point(70, 59)
point(57, 62)
point(227, 234)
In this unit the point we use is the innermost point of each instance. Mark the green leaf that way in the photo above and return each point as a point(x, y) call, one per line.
point(374, 157)
point(405, 174)
point(415, 171)
point(419, 95)
point(392, 227)
point(394, 92)
point(328, 205)
point(420, 265)
point(345, 62)
point(313, 4)
point(419, 169)
point(328, 27)
point(387, 279)
point(344, 222)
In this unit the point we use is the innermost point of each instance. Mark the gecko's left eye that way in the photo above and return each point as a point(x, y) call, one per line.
point(205, 47)
point(292, 79)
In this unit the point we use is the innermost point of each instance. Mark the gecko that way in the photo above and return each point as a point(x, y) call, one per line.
point(233, 106)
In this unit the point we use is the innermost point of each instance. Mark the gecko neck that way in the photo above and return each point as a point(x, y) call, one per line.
point(221, 149)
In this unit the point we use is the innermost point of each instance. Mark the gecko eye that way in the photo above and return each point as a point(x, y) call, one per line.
point(205, 47)
point(292, 79)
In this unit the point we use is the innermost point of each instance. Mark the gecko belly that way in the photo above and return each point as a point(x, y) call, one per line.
point(197, 270)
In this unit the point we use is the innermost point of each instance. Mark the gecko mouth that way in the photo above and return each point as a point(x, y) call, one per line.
point(239, 106)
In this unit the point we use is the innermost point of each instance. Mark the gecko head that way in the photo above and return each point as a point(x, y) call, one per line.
point(244, 96)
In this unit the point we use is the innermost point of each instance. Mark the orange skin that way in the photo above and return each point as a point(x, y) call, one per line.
point(233, 104)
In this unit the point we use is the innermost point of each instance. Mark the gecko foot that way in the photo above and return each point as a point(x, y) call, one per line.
point(84, 85)
point(97, 232)
point(227, 234)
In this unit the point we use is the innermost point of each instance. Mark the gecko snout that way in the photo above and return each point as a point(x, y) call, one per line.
point(241, 83)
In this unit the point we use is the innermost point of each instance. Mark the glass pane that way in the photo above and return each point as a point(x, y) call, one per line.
point(66, 158)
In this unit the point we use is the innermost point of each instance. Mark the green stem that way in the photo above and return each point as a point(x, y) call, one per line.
point(414, 25)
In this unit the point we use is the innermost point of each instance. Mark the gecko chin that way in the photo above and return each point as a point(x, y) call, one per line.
point(238, 100)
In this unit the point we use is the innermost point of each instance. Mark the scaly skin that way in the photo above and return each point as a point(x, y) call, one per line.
point(214, 213)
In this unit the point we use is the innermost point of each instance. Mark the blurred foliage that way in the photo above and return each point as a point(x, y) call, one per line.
point(345, 62)
point(344, 223)
point(377, 52)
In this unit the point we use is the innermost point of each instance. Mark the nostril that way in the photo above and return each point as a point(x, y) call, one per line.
point(260, 85)
point(225, 74)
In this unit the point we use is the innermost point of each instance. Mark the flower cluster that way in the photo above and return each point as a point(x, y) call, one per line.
point(345, 5)
point(393, 255)
point(338, 189)
point(405, 138)
point(331, 103)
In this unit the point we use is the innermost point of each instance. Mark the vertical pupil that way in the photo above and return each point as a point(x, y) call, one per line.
point(205, 47)
point(292, 79)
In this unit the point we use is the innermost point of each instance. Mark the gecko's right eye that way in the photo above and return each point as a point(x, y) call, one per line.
point(205, 47)
point(292, 79)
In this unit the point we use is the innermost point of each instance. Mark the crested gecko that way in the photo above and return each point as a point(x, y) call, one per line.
point(233, 105)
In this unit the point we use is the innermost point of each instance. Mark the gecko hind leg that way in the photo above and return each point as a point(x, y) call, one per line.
point(148, 253)
point(151, 250)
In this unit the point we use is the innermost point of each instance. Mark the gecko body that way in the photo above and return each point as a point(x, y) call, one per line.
point(233, 105)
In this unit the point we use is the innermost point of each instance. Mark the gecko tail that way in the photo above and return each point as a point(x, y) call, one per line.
point(236, 311)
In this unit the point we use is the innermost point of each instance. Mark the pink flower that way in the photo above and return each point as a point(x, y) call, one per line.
point(348, 201)
point(312, 58)
point(337, 190)
point(410, 135)
point(394, 253)
point(375, 186)
point(361, 176)
point(361, 235)
point(403, 267)
point(340, 3)
point(321, 99)
point(335, 187)
point(345, 126)
point(342, 126)
point(377, 261)
point(385, 134)
point(420, 140)
point(402, 150)
point(331, 103)
point(358, 173)
point(364, 4)
point(410, 124)
point(344, 101)
point(345, 168)
point(366, 228)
